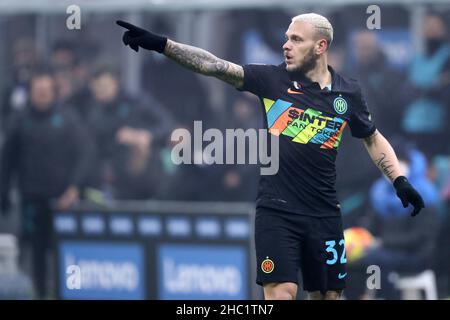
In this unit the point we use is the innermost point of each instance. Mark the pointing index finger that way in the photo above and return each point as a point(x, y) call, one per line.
point(125, 25)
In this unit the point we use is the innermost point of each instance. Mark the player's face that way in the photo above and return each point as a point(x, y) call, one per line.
point(300, 46)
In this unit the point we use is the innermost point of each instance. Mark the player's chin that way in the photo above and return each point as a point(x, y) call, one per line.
point(290, 67)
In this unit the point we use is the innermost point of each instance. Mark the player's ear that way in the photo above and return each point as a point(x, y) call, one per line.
point(321, 46)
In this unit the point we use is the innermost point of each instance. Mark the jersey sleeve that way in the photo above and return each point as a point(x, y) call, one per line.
point(361, 123)
point(257, 78)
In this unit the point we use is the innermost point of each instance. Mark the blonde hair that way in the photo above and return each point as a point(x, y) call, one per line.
point(321, 24)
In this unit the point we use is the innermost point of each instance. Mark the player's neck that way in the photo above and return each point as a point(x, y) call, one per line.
point(320, 74)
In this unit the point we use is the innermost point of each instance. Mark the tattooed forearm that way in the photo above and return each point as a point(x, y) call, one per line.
point(385, 166)
point(193, 58)
point(383, 155)
point(204, 62)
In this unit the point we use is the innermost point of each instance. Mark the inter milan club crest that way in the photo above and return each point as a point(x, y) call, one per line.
point(267, 265)
point(340, 105)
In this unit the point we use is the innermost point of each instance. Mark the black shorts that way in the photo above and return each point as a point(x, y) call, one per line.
point(286, 242)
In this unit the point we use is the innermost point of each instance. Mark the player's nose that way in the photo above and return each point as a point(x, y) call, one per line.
point(287, 45)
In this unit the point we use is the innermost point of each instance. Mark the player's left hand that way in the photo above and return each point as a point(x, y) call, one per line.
point(137, 37)
point(408, 195)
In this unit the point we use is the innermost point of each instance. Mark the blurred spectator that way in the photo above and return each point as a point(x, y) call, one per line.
point(72, 77)
point(427, 116)
point(62, 60)
point(224, 182)
point(179, 91)
point(192, 182)
point(239, 182)
point(48, 150)
point(63, 55)
point(442, 257)
point(404, 244)
point(80, 94)
point(16, 94)
point(354, 180)
point(127, 136)
point(443, 260)
point(379, 81)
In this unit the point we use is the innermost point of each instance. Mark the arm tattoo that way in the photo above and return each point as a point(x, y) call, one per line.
point(385, 166)
point(201, 61)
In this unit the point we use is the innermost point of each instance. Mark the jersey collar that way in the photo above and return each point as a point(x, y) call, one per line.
point(338, 83)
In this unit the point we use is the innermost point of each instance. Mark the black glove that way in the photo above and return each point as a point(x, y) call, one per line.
point(136, 37)
point(407, 193)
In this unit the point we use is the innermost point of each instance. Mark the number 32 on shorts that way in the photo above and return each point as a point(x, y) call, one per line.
point(331, 248)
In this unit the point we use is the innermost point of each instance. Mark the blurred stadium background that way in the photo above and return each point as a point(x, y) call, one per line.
point(147, 229)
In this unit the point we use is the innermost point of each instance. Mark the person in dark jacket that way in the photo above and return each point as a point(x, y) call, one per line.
point(426, 115)
point(379, 81)
point(48, 150)
point(127, 134)
point(15, 96)
point(442, 258)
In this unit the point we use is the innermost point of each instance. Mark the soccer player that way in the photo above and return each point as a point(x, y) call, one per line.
point(308, 105)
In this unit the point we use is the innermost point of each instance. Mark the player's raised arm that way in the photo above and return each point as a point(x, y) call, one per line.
point(204, 62)
point(193, 58)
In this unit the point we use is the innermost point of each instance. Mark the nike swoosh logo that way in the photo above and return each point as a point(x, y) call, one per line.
point(342, 276)
point(289, 90)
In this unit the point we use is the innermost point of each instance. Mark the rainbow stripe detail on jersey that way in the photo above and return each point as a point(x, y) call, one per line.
point(303, 125)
